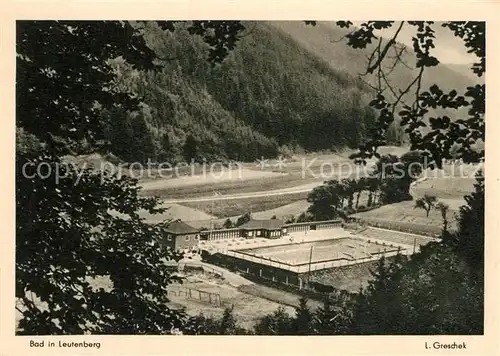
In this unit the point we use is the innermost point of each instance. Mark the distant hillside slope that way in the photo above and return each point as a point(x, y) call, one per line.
point(286, 87)
point(465, 70)
point(326, 41)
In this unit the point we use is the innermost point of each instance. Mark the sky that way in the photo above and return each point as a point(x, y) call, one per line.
point(449, 49)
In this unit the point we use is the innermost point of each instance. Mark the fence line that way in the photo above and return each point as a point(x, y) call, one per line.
point(196, 294)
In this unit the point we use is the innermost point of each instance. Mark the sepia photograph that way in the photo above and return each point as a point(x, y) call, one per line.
point(234, 177)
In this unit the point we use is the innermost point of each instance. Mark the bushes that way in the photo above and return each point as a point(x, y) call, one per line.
point(362, 208)
point(317, 292)
point(349, 211)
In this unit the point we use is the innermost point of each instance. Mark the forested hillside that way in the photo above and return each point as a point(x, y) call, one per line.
point(277, 92)
point(270, 95)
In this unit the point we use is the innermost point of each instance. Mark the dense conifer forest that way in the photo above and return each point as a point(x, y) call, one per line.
point(269, 97)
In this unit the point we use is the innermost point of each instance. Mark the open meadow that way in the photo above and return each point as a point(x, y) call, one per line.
point(405, 212)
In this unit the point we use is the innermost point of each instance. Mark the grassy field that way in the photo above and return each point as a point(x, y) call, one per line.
point(314, 175)
point(237, 207)
point(405, 212)
point(449, 185)
point(283, 212)
point(176, 211)
point(445, 188)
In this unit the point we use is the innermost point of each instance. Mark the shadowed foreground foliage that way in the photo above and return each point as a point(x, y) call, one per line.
point(74, 225)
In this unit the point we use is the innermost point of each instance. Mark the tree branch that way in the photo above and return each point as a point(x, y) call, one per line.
point(343, 37)
point(389, 44)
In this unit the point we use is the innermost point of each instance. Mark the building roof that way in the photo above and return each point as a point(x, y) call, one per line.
point(273, 224)
point(178, 227)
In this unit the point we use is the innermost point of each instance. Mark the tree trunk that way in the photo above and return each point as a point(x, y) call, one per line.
point(350, 201)
point(357, 198)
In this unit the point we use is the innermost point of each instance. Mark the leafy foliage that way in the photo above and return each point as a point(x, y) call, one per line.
point(436, 136)
point(389, 182)
point(277, 323)
point(75, 227)
point(302, 324)
point(443, 209)
point(190, 148)
point(67, 237)
point(226, 325)
point(44, 49)
point(129, 137)
point(433, 293)
point(334, 317)
point(396, 175)
point(427, 202)
point(243, 219)
point(469, 241)
point(325, 201)
point(227, 224)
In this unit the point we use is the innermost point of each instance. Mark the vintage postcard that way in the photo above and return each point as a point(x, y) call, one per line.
point(299, 180)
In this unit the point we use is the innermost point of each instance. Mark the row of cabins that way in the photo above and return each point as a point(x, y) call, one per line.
point(183, 237)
